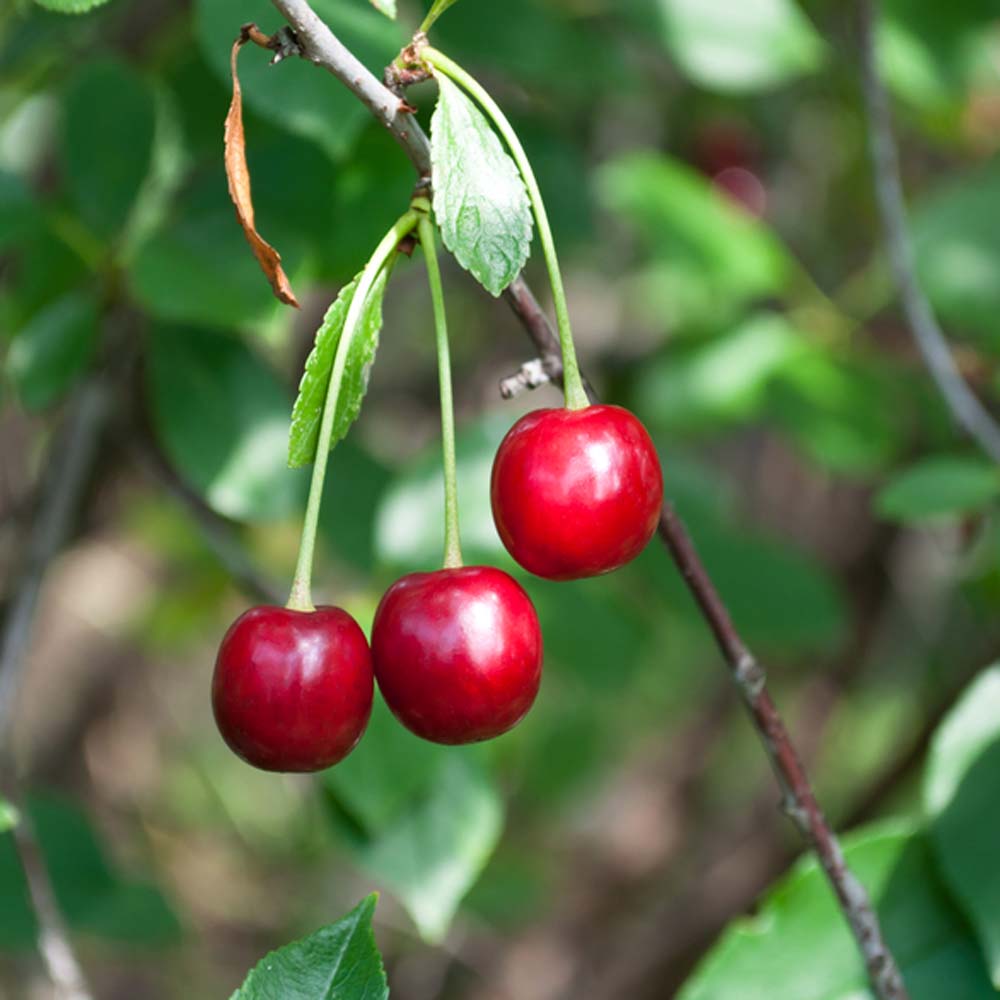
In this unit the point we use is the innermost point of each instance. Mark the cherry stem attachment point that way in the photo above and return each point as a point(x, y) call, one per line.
point(576, 395)
point(301, 595)
point(452, 543)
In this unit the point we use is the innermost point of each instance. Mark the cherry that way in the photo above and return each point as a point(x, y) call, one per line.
point(576, 492)
point(292, 690)
point(457, 653)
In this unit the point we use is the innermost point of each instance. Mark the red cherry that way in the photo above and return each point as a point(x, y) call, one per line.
point(292, 690)
point(457, 653)
point(576, 492)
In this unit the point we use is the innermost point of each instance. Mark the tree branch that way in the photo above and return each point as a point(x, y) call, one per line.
point(324, 49)
point(966, 409)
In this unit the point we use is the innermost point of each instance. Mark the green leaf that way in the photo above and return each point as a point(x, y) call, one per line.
point(960, 798)
point(943, 486)
point(698, 238)
point(291, 95)
point(308, 410)
point(338, 962)
point(957, 246)
point(50, 353)
point(723, 380)
point(107, 138)
point(19, 213)
point(387, 7)
point(750, 46)
point(9, 816)
point(798, 946)
point(479, 197)
point(70, 6)
point(93, 897)
point(424, 818)
point(221, 415)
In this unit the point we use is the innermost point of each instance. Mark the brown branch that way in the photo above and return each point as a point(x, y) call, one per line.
point(320, 45)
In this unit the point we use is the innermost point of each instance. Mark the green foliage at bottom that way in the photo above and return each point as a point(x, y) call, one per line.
point(338, 962)
point(798, 947)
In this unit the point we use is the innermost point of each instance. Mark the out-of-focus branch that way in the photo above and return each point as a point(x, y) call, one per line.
point(320, 45)
point(73, 457)
point(72, 460)
point(53, 939)
point(968, 412)
point(217, 533)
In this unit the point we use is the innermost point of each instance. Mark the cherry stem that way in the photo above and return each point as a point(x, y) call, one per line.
point(452, 543)
point(576, 395)
point(300, 598)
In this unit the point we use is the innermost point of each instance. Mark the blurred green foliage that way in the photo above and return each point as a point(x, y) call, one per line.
point(818, 472)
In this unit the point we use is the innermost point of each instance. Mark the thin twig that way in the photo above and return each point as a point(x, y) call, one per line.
point(324, 49)
point(53, 939)
point(968, 412)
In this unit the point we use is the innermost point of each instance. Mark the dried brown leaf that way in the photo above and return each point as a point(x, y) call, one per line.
point(238, 176)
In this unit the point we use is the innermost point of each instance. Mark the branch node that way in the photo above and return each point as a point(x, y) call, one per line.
point(532, 374)
point(750, 676)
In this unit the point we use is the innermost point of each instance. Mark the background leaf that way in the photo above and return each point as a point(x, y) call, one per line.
point(387, 7)
point(960, 797)
point(752, 46)
point(426, 818)
point(479, 197)
point(221, 416)
point(307, 412)
point(338, 962)
point(941, 486)
point(92, 896)
point(70, 6)
point(52, 351)
point(110, 117)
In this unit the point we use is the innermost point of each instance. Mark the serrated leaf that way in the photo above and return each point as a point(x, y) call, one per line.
point(308, 410)
point(70, 6)
point(960, 784)
point(338, 962)
point(941, 486)
point(387, 7)
point(479, 198)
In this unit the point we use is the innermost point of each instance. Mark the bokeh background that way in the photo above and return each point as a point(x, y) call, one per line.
point(706, 172)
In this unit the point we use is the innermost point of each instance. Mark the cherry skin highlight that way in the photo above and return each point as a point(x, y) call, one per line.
point(576, 493)
point(292, 690)
point(457, 653)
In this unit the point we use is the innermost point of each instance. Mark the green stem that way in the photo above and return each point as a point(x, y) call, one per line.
point(301, 595)
point(452, 544)
point(576, 395)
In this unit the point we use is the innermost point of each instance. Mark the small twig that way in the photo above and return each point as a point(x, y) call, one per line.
point(968, 412)
point(324, 49)
point(531, 375)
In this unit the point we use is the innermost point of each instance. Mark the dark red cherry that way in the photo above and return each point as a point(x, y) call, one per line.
point(576, 492)
point(292, 690)
point(457, 653)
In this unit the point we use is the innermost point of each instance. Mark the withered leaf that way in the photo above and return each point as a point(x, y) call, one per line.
point(238, 176)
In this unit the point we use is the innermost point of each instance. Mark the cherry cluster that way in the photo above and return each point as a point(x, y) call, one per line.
point(457, 653)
